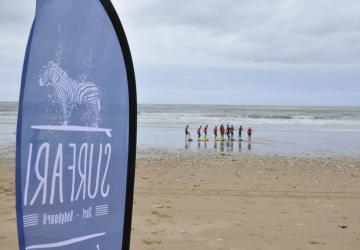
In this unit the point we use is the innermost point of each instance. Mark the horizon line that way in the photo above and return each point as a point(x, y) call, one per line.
point(218, 104)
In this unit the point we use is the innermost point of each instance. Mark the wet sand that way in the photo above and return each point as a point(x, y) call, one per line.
point(189, 200)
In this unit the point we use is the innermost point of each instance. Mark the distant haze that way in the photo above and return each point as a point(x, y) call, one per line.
point(247, 52)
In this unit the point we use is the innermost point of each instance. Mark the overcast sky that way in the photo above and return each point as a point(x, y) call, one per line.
point(279, 52)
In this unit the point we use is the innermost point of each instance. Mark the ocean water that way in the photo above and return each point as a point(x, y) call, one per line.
point(307, 131)
point(8, 118)
point(313, 131)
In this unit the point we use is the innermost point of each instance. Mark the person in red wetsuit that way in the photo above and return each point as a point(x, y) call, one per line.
point(232, 129)
point(215, 132)
point(199, 132)
point(187, 133)
point(205, 131)
point(249, 132)
point(222, 131)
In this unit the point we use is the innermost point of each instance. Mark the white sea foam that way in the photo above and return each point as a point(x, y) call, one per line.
point(311, 118)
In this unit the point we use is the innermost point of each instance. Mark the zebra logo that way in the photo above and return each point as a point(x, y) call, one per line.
point(69, 93)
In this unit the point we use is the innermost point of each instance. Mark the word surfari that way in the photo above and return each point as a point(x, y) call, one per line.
point(83, 177)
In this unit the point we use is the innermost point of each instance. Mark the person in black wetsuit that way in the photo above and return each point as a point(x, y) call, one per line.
point(199, 132)
point(205, 131)
point(187, 133)
point(228, 131)
point(240, 131)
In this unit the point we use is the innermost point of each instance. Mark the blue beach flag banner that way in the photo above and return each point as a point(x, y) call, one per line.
point(76, 134)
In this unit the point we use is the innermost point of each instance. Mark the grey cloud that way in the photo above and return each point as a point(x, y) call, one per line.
point(15, 22)
point(238, 32)
point(16, 14)
point(226, 34)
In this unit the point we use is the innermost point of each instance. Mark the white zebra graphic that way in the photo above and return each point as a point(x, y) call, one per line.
point(71, 93)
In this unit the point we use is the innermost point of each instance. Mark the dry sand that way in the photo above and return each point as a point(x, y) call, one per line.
point(187, 200)
point(8, 233)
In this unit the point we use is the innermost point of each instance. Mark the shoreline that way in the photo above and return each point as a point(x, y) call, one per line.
point(204, 200)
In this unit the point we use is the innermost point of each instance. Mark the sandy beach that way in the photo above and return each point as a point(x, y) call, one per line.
point(189, 200)
point(8, 233)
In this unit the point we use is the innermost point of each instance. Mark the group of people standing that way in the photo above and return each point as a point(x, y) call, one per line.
point(228, 131)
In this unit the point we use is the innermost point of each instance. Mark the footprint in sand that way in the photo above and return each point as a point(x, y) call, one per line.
point(160, 215)
point(316, 243)
point(151, 242)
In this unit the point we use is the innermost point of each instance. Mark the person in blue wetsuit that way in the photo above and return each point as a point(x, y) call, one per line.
point(228, 131)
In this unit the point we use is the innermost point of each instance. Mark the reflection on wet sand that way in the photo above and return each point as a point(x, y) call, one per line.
point(222, 146)
point(226, 146)
point(187, 144)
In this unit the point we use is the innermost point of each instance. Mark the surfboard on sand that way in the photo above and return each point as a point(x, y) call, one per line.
point(203, 139)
